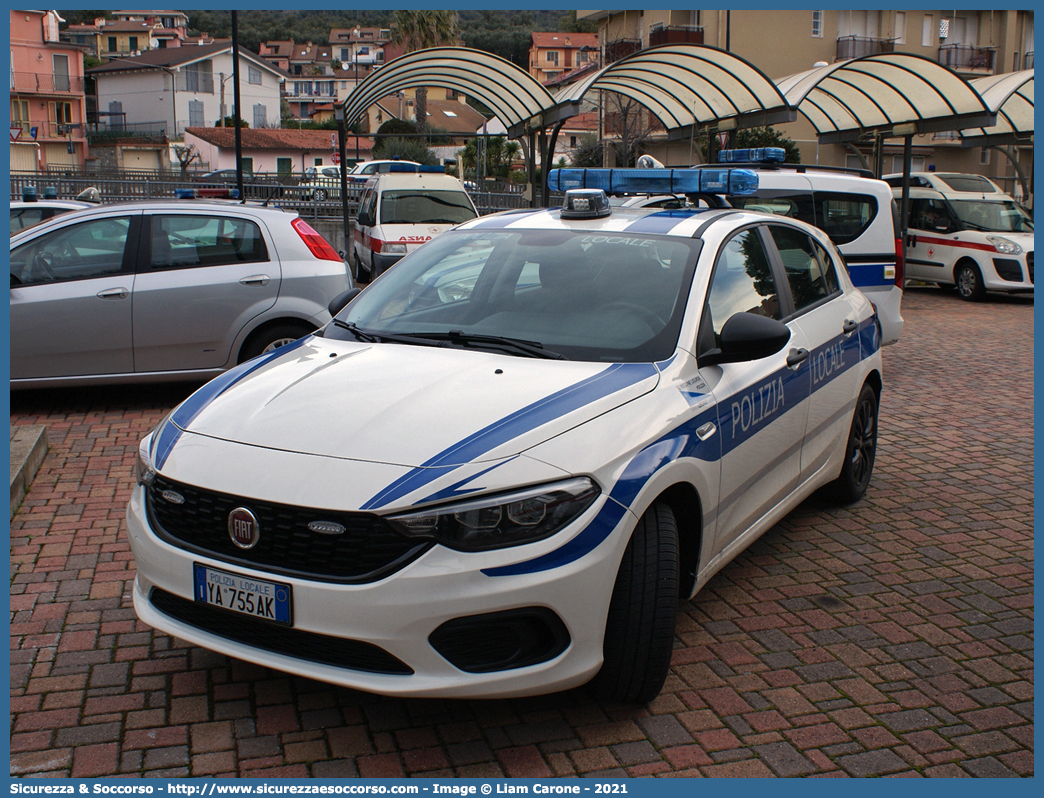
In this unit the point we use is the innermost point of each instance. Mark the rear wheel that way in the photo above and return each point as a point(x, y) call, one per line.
point(268, 339)
point(969, 282)
point(860, 451)
point(319, 194)
point(639, 632)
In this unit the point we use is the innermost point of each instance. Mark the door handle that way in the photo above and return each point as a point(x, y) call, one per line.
point(796, 358)
point(113, 293)
point(256, 279)
point(849, 326)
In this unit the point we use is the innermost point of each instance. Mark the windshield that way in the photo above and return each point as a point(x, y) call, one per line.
point(584, 296)
point(425, 206)
point(1004, 216)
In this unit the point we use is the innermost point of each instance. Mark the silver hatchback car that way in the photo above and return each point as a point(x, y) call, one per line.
point(163, 290)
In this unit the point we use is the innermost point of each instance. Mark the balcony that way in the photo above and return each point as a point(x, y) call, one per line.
point(621, 48)
point(43, 83)
point(676, 34)
point(968, 58)
point(859, 46)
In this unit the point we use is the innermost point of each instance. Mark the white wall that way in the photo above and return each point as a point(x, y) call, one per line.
point(146, 96)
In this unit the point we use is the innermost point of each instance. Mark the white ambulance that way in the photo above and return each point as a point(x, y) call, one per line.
point(963, 231)
point(400, 210)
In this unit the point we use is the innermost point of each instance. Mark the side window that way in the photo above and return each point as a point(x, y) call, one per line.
point(844, 217)
point(742, 282)
point(180, 242)
point(77, 252)
point(22, 218)
point(929, 214)
point(809, 273)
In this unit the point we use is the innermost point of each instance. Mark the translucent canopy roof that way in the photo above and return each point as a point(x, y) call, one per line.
point(686, 85)
point(876, 93)
point(1010, 95)
point(518, 100)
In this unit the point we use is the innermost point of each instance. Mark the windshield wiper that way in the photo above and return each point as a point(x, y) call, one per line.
point(513, 345)
point(372, 337)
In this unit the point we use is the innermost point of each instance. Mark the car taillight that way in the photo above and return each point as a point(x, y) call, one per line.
point(900, 262)
point(318, 245)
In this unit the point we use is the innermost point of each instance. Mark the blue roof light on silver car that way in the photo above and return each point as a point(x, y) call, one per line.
point(656, 181)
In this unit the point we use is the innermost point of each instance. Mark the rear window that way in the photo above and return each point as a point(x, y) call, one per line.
point(976, 183)
point(416, 206)
point(188, 241)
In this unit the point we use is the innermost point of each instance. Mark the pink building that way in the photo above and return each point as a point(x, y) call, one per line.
point(48, 107)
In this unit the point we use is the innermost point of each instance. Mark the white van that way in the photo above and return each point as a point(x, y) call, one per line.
point(851, 207)
point(964, 231)
point(400, 210)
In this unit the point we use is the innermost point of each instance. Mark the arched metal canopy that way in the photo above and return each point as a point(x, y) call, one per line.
point(690, 85)
point(1010, 96)
point(876, 93)
point(518, 100)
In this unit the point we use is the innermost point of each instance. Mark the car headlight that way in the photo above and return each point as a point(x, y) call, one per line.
point(393, 249)
point(495, 522)
point(144, 472)
point(1005, 246)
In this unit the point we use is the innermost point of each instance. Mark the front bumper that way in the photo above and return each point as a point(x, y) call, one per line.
point(399, 613)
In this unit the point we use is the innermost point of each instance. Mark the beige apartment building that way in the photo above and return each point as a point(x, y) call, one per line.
point(786, 42)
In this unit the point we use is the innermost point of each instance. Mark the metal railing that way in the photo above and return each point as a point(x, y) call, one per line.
point(676, 34)
point(46, 83)
point(859, 46)
point(132, 185)
point(966, 56)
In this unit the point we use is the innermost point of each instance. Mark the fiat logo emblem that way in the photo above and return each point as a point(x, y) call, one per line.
point(243, 528)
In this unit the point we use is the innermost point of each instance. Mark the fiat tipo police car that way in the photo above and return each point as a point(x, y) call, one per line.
point(501, 465)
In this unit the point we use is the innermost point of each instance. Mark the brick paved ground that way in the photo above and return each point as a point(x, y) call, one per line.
point(890, 638)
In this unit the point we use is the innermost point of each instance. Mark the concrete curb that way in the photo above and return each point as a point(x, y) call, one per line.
point(28, 447)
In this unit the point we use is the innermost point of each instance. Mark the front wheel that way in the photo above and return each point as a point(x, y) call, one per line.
point(319, 194)
point(969, 282)
point(639, 631)
point(860, 450)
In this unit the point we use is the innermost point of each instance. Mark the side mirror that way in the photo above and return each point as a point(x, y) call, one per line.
point(339, 302)
point(364, 219)
point(745, 337)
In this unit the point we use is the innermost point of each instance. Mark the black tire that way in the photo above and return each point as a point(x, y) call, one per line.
point(639, 631)
point(969, 282)
point(860, 451)
point(359, 270)
point(271, 338)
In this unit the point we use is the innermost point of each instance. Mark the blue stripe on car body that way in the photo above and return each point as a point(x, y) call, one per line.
point(612, 379)
point(662, 222)
point(864, 275)
point(188, 410)
point(683, 442)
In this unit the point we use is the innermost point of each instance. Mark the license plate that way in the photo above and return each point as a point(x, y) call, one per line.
point(243, 594)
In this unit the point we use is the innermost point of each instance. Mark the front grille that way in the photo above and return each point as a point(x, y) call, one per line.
point(368, 549)
point(337, 651)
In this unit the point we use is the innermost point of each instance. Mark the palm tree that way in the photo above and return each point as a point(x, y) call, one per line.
point(420, 29)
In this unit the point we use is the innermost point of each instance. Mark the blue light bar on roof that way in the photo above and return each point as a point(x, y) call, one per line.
point(656, 181)
point(754, 155)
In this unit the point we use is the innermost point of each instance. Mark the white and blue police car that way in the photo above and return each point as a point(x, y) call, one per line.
point(500, 467)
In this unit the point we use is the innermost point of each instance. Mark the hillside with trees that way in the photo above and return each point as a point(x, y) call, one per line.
point(503, 33)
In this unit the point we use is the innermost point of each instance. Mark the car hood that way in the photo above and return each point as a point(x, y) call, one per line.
point(405, 405)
